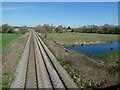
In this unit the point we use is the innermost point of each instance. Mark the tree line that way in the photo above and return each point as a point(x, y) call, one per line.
point(5, 28)
point(50, 28)
point(46, 28)
point(103, 29)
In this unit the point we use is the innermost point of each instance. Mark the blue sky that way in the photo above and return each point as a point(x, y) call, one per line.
point(75, 14)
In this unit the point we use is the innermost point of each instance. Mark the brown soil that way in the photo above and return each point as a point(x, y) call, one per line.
point(92, 71)
point(10, 59)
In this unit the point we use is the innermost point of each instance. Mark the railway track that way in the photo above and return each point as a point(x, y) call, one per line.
point(55, 79)
point(41, 70)
point(31, 72)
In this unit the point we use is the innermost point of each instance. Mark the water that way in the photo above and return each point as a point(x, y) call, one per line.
point(95, 49)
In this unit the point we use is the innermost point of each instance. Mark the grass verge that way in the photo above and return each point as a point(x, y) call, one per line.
point(110, 59)
point(80, 80)
point(10, 59)
point(7, 39)
point(86, 72)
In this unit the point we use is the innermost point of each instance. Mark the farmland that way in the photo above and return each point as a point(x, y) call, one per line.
point(7, 39)
point(78, 38)
point(73, 38)
point(0, 43)
point(85, 70)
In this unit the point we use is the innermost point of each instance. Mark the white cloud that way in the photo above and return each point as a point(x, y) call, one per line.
point(11, 8)
point(15, 7)
point(25, 7)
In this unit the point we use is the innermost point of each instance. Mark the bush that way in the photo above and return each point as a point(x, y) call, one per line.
point(23, 30)
point(7, 29)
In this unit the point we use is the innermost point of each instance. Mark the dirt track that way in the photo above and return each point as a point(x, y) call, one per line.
point(38, 68)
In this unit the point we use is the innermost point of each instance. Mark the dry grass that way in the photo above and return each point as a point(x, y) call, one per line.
point(78, 38)
point(10, 59)
point(84, 71)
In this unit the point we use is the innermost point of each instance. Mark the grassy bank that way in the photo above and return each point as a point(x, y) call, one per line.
point(110, 59)
point(0, 43)
point(86, 71)
point(73, 38)
point(10, 59)
point(7, 39)
point(82, 38)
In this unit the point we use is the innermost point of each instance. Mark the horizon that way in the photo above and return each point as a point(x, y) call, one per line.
point(58, 25)
point(74, 14)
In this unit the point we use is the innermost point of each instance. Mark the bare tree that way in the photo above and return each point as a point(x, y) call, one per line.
point(59, 29)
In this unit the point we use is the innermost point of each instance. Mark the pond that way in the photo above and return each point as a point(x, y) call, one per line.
point(95, 49)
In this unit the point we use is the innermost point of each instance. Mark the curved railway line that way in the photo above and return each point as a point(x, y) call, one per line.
point(38, 68)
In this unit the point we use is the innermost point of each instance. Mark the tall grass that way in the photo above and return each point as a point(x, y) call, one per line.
point(110, 58)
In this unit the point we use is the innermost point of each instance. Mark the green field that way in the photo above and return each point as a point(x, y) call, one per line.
point(6, 40)
point(82, 68)
point(72, 38)
point(0, 43)
point(85, 38)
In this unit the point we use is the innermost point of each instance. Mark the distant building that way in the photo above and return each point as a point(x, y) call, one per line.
point(16, 28)
point(69, 30)
point(53, 30)
point(64, 30)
